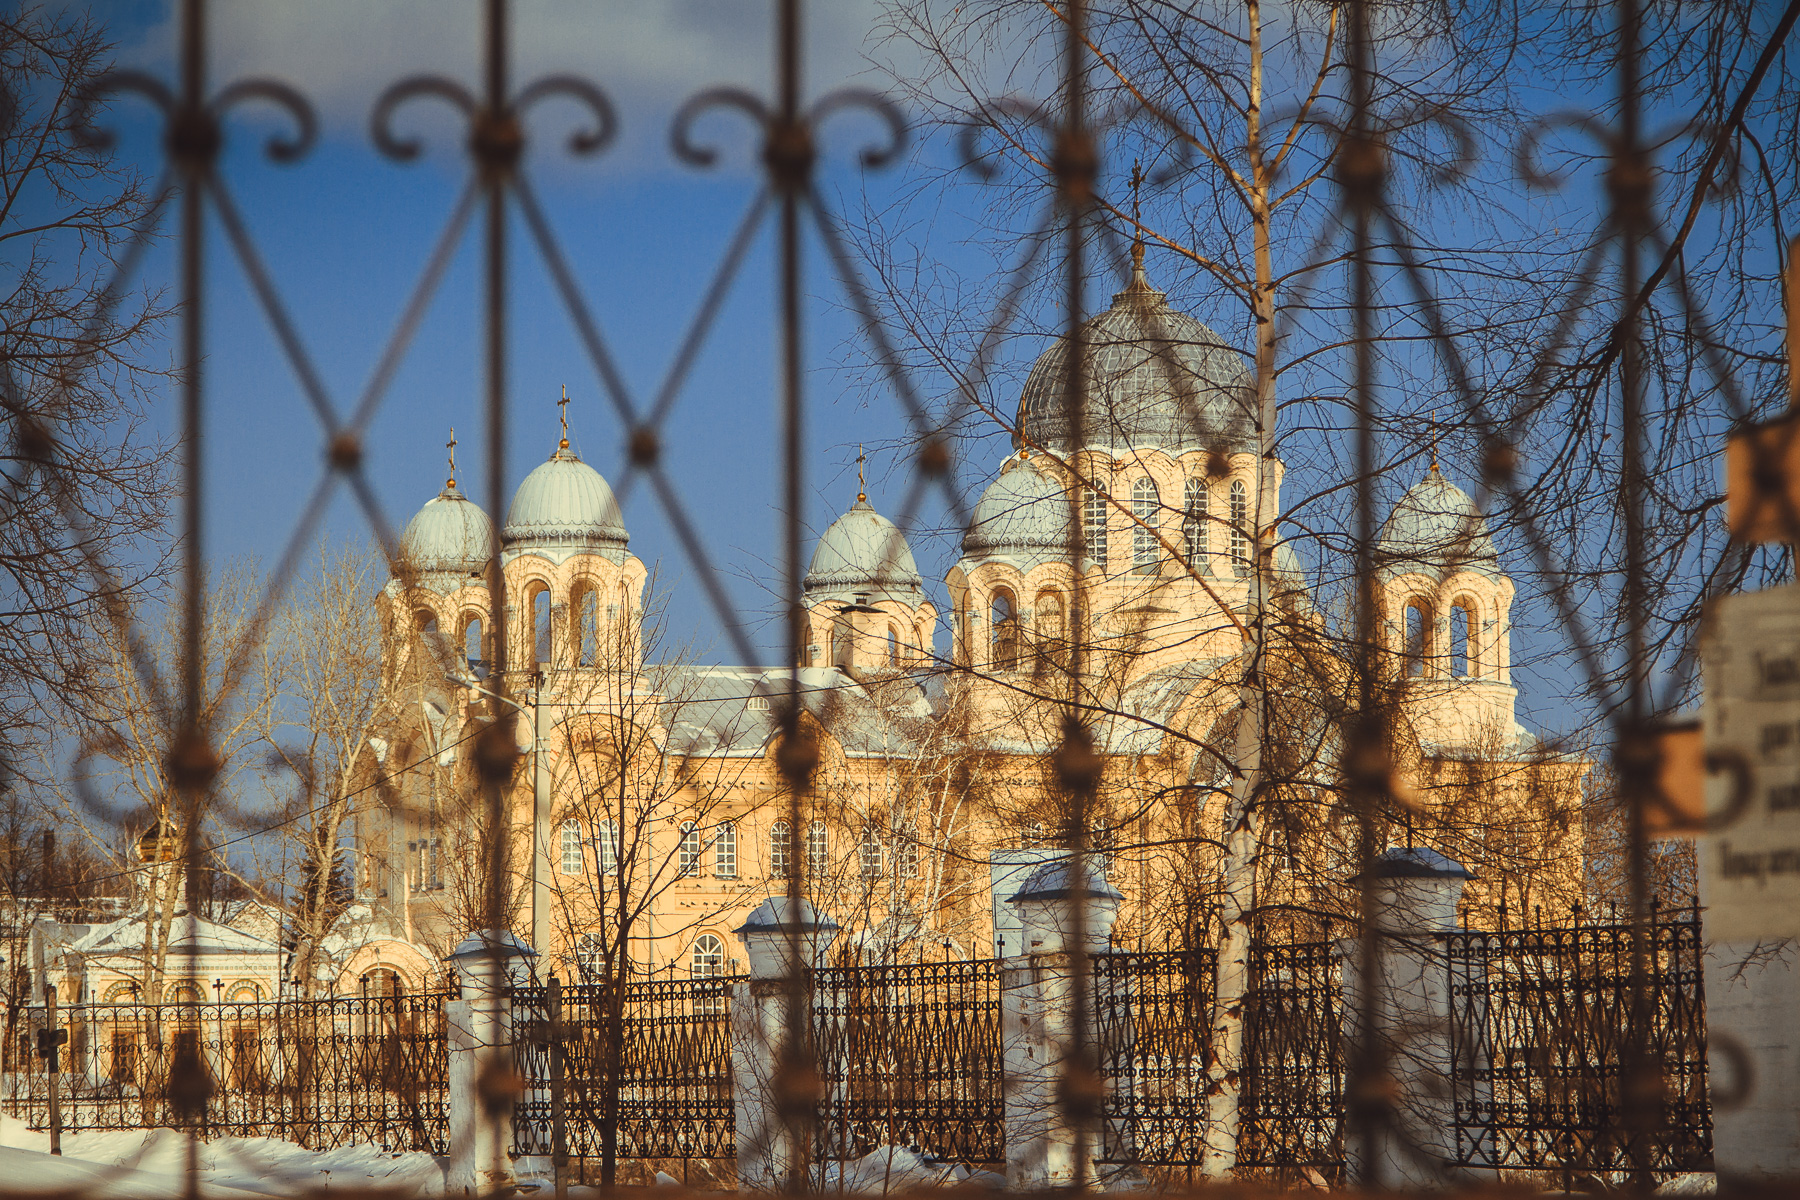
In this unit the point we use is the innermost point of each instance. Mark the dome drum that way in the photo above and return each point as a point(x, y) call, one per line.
point(563, 508)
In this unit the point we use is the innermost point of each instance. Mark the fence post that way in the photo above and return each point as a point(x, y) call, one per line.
point(765, 1126)
point(1416, 895)
point(53, 1038)
point(1037, 995)
point(559, 1129)
point(479, 1042)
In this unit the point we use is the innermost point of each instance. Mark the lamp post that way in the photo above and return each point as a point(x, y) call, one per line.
point(540, 802)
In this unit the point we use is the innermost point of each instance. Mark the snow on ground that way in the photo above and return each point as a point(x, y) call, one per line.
point(138, 1163)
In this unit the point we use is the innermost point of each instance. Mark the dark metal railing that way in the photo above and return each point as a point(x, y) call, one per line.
point(361, 1070)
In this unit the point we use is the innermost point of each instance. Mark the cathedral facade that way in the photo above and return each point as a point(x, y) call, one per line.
point(1110, 574)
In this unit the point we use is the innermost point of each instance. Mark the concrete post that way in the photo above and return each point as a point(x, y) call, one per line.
point(1416, 896)
point(1037, 996)
point(766, 1132)
point(1753, 1054)
point(490, 963)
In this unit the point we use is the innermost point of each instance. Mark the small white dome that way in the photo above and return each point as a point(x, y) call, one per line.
point(562, 508)
point(864, 554)
point(1022, 517)
point(450, 539)
point(1435, 529)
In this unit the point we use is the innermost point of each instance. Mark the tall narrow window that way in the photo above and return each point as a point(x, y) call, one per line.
point(1240, 529)
point(437, 861)
point(781, 850)
point(1048, 625)
point(818, 850)
point(1417, 632)
point(841, 653)
point(893, 647)
point(687, 851)
point(869, 853)
point(1194, 533)
point(906, 849)
point(1093, 526)
point(1459, 641)
point(1003, 629)
point(473, 650)
point(540, 625)
point(1146, 512)
point(587, 629)
point(608, 847)
point(570, 847)
point(725, 851)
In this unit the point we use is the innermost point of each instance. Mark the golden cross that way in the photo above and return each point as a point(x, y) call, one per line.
point(1137, 227)
point(451, 446)
point(861, 491)
point(563, 405)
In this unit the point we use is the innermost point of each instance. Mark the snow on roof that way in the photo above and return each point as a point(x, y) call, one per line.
point(186, 932)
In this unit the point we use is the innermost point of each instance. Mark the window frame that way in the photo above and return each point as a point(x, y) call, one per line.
point(1146, 512)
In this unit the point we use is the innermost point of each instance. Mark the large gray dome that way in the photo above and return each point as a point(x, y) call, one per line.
point(863, 554)
point(450, 539)
point(1155, 377)
point(563, 508)
point(1023, 517)
point(1435, 529)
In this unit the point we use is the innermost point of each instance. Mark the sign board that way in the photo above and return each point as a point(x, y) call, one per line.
point(1750, 862)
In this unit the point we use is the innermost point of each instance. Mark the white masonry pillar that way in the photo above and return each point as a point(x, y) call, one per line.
point(1416, 896)
point(777, 928)
point(1037, 996)
point(478, 1034)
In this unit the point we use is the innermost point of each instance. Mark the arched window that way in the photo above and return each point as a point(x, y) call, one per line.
point(818, 850)
point(725, 851)
point(708, 958)
point(893, 647)
point(1048, 621)
point(385, 983)
point(571, 848)
point(1093, 526)
point(474, 648)
point(687, 851)
point(1460, 658)
point(1240, 529)
point(1003, 630)
point(607, 847)
point(1146, 511)
point(590, 958)
point(1194, 520)
point(781, 850)
point(540, 625)
point(425, 621)
point(868, 852)
point(587, 629)
point(1417, 633)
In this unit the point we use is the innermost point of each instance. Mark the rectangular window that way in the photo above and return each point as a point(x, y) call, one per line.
point(1093, 526)
point(870, 854)
point(571, 848)
point(608, 838)
point(907, 849)
point(725, 851)
point(437, 861)
point(780, 851)
point(687, 852)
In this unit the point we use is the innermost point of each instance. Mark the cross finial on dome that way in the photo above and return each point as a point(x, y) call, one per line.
point(862, 494)
point(451, 446)
point(563, 406)
point(1137, 235)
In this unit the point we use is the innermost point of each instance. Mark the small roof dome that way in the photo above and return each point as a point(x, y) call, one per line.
point(1155, 377)
point(771, 916)
point(864, 554)
point(564, 508)
point(1055, 880)
point(1434, 530)
point(450, 539)
point(1023, 517)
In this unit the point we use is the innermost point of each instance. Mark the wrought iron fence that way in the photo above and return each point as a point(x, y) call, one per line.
point(323, 1073)
point(1292, 1115)
point(1550, 1033)
point(910, 1055)
point(667, 1094)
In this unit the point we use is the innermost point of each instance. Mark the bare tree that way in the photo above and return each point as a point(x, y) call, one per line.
point(83, 486)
